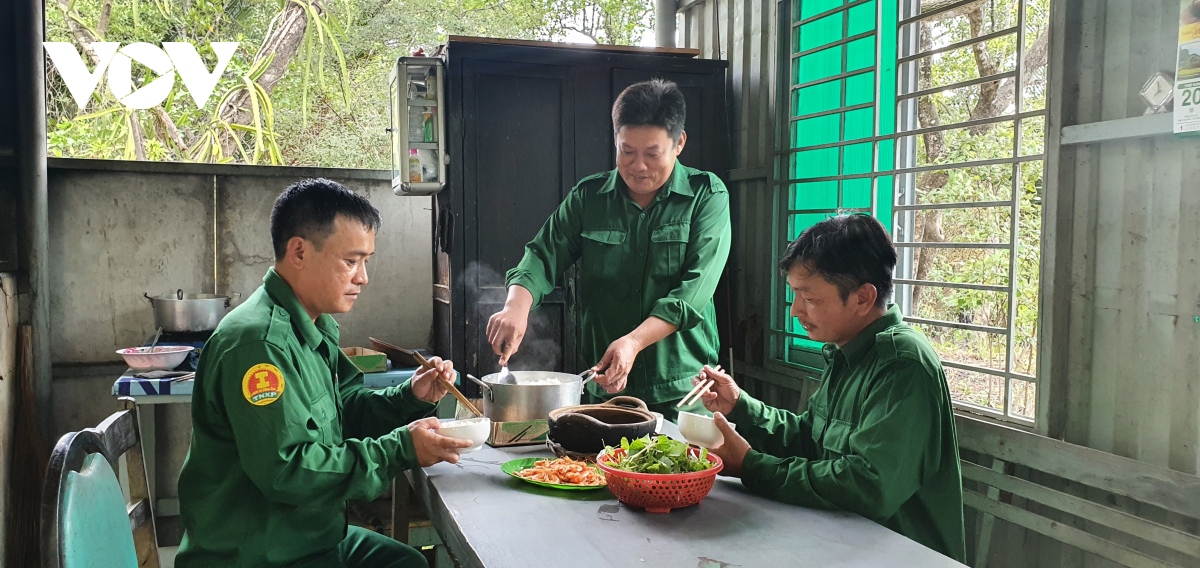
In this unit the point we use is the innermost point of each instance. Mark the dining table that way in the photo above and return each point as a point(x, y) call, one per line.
point(487, 518)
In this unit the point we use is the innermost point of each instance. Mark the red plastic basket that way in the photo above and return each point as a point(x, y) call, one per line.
point(657, 492)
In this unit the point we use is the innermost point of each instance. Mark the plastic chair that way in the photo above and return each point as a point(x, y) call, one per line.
point(86, 521)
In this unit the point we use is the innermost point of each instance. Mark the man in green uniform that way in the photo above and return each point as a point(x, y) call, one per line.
point(283, 432)
point(878, 437)
point(651, 238)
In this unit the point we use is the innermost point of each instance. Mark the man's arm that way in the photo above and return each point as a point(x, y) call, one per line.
point(280, 442)
point(773, 430)
point(882, 462)
point(554, 249)
point(703, 263)
point(372, 413)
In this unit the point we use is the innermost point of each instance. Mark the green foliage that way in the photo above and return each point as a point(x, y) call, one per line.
point(987, 183)
point(330, 108)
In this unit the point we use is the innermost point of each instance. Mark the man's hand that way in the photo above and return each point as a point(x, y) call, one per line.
point(429, 384)
point(432, 447)
point(733, 448)
point(722, 395)
point(612, 372)
point(506, 328)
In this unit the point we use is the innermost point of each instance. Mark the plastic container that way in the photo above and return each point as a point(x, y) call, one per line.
point(656, 492)
point(414, 167)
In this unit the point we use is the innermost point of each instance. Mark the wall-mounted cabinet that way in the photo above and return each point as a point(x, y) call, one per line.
point(417, 126)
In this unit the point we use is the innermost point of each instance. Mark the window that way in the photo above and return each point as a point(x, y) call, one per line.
point(944, 145)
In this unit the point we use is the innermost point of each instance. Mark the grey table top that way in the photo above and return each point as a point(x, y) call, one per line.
point(489, 519)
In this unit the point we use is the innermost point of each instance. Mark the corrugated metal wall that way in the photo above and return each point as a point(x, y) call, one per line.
point(1121, 276)
point(1125, 370)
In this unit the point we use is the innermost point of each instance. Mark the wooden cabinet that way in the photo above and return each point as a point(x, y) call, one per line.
point(525, 122)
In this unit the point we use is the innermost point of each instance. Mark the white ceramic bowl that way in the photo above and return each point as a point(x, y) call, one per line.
point(474, 429)
point(163, 358)
point(700, 430)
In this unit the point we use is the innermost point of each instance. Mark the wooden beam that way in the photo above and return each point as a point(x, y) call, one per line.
point(678, 51)
point(1164, 488)
point(1063, 533)
point(1080, 507)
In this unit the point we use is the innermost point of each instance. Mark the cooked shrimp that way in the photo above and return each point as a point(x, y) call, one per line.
point(563, 471)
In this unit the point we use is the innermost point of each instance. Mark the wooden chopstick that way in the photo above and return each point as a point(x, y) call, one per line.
point(698, 390)
point(462, 399)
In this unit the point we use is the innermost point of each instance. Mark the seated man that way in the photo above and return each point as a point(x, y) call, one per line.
point(878, 437)
point(283, 432)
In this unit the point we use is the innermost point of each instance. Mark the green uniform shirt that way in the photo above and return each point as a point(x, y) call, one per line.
point(283, 434)
point(662, 261)
point(878, 439)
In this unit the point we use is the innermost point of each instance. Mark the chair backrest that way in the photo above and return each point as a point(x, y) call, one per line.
point(94, 529)
point(85, 519)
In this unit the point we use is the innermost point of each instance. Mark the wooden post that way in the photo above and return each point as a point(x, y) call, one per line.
point(400, 507)
point(30, 454)
point(8, 399)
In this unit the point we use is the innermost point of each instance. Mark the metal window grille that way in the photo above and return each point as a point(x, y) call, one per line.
point(854, 140)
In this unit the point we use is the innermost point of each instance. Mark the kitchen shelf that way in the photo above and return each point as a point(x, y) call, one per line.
point(1121, 129)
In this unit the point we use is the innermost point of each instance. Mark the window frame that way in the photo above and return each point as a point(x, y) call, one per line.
point(900, 209)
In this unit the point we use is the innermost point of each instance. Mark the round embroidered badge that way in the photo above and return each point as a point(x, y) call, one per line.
point(262, 384)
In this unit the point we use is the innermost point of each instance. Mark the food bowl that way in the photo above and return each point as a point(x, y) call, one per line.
point(700, 430)
point(162, 358)
point(659, 492)
point(476, 430)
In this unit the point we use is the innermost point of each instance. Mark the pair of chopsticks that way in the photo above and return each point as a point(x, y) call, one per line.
point(698, 390)
point(425, 364)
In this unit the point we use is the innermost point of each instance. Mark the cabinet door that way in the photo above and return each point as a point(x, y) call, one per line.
point(518, 152)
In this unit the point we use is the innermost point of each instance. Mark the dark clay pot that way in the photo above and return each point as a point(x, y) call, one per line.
point(587, 428)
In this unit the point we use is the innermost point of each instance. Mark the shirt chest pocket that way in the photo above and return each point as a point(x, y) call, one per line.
point(602, 258)
point(836, 440)
point(668, 244)
point(323, 420)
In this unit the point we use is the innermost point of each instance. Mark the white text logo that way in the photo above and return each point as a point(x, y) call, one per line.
point(173, 58)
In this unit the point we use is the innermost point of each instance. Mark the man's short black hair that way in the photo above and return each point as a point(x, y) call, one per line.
point(308, 208)
point(848, 251)
point(656, 102)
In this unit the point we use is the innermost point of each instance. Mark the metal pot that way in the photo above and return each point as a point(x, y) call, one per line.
point(504, 402)
point(587, 428)
point(181, 312)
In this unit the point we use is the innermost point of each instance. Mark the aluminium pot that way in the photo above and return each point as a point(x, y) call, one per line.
point(181, 312)
point(519, 401)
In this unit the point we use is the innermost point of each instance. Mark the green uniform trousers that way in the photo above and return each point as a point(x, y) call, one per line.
point(363, 548)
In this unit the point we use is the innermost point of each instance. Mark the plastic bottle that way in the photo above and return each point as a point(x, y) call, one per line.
point(416, 124)
point(430, 130)
point(414, 167)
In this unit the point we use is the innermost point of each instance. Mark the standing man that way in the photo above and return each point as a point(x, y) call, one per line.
point(651, 238)
point(878, 438)
point(283, 432)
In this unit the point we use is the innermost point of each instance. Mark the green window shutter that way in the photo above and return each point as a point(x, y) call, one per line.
point(841, 104)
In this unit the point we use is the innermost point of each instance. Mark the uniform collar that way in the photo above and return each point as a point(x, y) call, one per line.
point(857, 348)
point(677, 183)
point(312, 333)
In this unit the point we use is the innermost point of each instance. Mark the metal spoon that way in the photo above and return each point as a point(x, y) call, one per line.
point(506, 378)
point(155, 341)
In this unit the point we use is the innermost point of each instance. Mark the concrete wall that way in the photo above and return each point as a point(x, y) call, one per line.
point(120, 229)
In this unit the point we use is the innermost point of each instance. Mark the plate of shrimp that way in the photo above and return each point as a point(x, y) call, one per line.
point(560, 473)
